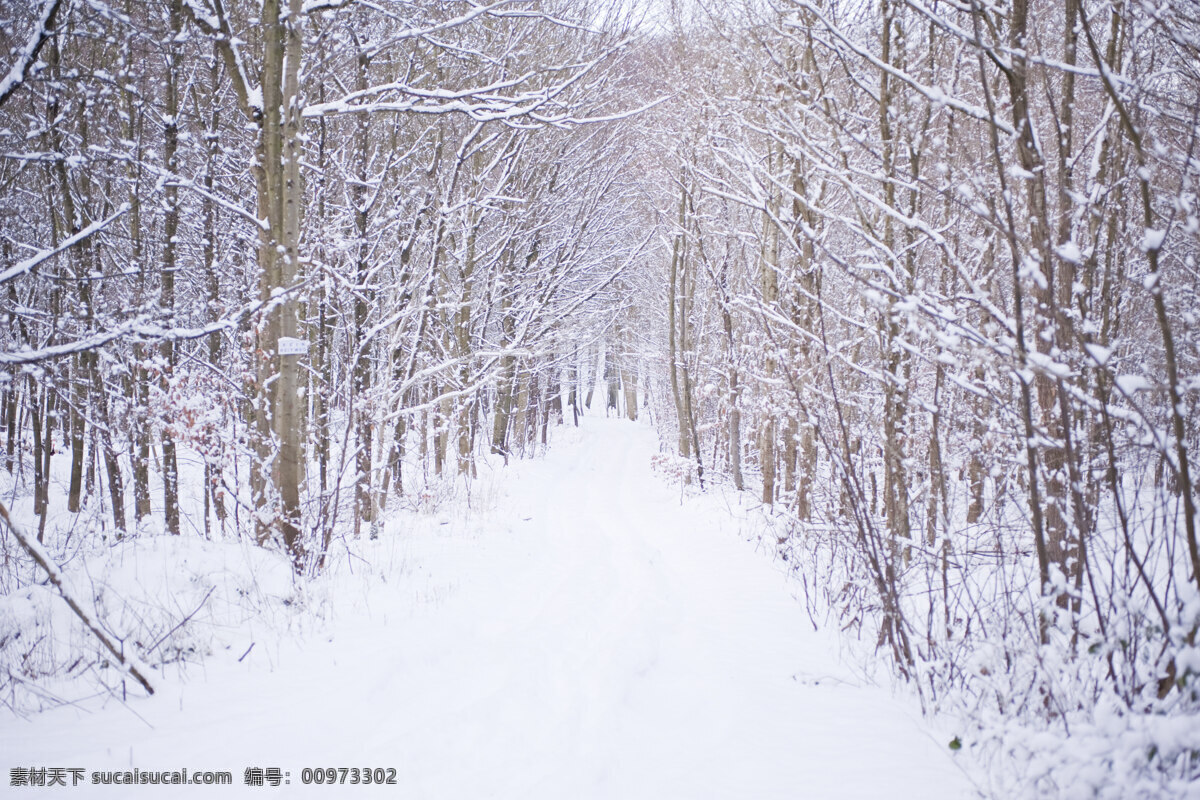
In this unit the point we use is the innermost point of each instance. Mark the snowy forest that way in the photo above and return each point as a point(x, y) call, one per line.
point(911, 286)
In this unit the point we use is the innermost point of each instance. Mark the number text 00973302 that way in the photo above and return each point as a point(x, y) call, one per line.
point(351, 775)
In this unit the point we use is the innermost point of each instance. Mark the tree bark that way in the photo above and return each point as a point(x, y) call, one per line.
point(170, 466)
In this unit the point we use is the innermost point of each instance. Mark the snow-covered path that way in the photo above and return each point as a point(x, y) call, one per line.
point(585, 636)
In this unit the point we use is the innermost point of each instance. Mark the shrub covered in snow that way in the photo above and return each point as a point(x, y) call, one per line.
point(170, 600)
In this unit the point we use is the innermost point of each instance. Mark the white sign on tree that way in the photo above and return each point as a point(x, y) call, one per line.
point(290, 346)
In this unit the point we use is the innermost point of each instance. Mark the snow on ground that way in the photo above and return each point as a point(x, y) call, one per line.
point(580, 633)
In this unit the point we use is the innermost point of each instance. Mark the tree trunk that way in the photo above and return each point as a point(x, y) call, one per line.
point(612, 380)
point(1056, 548)
point(735, 411)
point(170, 467)
point(677, 257)
point(573, 384)
point(364, 429)
point(768, 264)
point(590, 374)
point(214, 496)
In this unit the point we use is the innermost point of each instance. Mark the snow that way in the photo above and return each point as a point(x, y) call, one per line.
point(1153, 239)
point(1047, 365)
point(1130, 384)
point(1099, 353)
point(1069, 252)
point(585, 630)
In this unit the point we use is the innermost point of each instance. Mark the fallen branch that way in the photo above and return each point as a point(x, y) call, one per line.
point(128, 664)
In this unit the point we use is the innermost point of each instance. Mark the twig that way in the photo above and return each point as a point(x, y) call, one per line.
point(182, 622)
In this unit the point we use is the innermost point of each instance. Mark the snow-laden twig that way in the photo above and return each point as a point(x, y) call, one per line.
point(24, 266)
point(140, 330)
point(29, 53)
